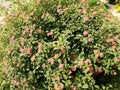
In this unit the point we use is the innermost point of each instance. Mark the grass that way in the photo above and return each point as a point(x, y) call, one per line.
point(93, 2)
point(3, 42)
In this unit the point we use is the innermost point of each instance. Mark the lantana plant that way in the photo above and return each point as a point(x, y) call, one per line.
point(59, 45)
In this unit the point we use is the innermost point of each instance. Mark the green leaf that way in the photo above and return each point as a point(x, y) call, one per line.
point(85, 86)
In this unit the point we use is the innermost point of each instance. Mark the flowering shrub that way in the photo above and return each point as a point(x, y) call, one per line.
point(59, 44)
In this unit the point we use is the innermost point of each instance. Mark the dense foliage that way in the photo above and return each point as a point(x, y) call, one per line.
point(59, 45)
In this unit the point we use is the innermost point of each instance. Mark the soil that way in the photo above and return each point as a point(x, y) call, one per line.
point(112, 9)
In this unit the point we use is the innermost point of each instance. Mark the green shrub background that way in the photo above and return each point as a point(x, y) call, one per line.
point(59, 44)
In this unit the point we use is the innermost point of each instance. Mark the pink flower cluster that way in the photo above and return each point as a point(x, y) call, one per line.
point(56, 56)
point(40, 48)
point(61, 66)
point(85, 33)
point(32, 58)
point(74, 68)
point(80, 63)
point(50, 33)
point(90, 40)
point(29, 51)
point(58, 86)
point(63, 49)
point(51, 61)
point(88, 61)
point(86, 18)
